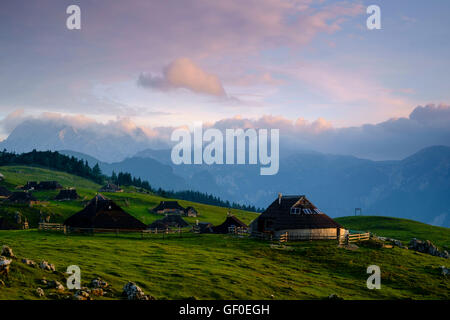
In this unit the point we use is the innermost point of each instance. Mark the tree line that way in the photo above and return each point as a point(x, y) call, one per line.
point(55, 160)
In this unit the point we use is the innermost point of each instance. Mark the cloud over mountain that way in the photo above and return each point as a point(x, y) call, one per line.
point(116, 139)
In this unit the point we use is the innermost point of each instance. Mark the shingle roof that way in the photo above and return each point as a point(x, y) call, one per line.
point(173, 205)
point(168, 221)
point(103, 213)
point(278, 215)
point(4, 192)
point(21, 197)
point(229, 221)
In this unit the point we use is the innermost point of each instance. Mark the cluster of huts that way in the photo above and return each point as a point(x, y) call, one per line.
point(293, 214)
point(103, 213)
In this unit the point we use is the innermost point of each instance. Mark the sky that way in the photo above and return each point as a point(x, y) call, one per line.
point(172, 63)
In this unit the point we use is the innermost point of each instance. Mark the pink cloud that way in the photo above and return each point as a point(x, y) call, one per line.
point(184, 73)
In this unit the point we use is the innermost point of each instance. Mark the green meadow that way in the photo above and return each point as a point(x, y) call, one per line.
point(210, 266)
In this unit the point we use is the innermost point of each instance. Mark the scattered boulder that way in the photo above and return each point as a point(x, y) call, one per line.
point(7, 252)
point(444, 270)
point(4, 265)
point(47, 266)
point(29, 262)
point(44, 281)
point(133, 292)
point(427, 247)
point(53, 284)
point(81, 295)
point(97, 292)
point(99, 283)
point(39, 292)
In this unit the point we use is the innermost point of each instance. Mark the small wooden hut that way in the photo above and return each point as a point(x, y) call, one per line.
point(67, 194)
point(169, 221)
point(102, 213)
point(298, 217)
point(230, 224)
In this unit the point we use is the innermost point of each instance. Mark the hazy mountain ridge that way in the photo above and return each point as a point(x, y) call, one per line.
point(416, 187)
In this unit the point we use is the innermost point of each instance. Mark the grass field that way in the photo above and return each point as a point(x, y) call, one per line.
point(224, 267)
point(213, 266)
point(401, 229)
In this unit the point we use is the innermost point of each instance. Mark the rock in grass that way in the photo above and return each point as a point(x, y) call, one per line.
point(40, 292)
point(29, 262)
point(7, 252)
point(445, 271)
point(4, 265)
point(81, 295)
point(99, 283)
point(53, 284)
point(133, 292)
point(47, 266)
point(97, 292)
point(427, 247)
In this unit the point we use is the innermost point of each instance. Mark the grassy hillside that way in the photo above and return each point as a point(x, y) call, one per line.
point(401, 229)
point(133, 202)
point(223, 267)
point(213, 266)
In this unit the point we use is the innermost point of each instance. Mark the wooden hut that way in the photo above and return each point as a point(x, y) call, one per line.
point(67, 194)
point(298, 217)
point(102, 213)
point(49, 185)
point(30, 185)
point(190, 212)
point(168, 207)
point(230, 224)
point(169, 221)
point(110, 187)
point(4, 193)
point(204, 227)
point(5, 224)
point(21, 197)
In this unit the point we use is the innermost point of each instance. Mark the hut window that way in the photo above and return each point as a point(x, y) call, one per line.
point(307, 211)
point(295, 210)
point(316, 211)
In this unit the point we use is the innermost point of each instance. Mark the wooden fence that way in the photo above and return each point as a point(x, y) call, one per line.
point(44, 226)
point(91, 231)
point(354, 237)
point(238, 231)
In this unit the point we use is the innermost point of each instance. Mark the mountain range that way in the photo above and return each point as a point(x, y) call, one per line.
point(416, 187)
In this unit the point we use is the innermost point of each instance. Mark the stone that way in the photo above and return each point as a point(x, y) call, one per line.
point(40, 292)
point(133, 292)
point(444, 271)
point(427, 247)
point(97, 292)
point(81, 295)
point(53, 284)
point(99, 283)
point(334, 296)
point(7, 252)
point(29, 262)
point(4, 265)
point(47, 266)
